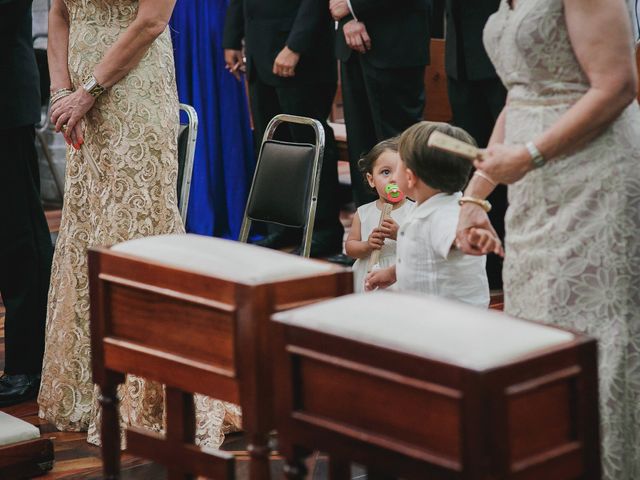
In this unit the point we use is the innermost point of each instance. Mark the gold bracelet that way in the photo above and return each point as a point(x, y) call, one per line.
point(483, 204)
point(486, 177)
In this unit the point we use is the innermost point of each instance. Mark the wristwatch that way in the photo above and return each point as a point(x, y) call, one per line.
point(483, 204)
point(93, 88)
point(537, 159)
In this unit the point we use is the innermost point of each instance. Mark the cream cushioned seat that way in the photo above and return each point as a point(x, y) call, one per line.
point(434, 328)
point(235, 261)
point(13, 430)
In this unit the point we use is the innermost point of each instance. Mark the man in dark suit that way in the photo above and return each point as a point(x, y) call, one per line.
point(25, 244)
point(476, 94)
point(383, 48)
point(291, 69)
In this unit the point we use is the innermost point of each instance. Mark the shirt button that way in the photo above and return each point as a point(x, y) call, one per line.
point(402, 234)
point(399, 260)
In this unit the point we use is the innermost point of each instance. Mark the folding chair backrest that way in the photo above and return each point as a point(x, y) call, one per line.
point(187, 136)
point(283, 180)
point(285, 184)
point(183, 136)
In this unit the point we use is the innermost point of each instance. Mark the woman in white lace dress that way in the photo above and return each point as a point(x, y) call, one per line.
point(568, 144)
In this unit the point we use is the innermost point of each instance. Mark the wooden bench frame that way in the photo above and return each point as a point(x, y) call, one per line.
point(27, 459)
point(331, 394)
point(213, 339)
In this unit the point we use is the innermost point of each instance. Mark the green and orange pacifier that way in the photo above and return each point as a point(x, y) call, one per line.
point(393, 194)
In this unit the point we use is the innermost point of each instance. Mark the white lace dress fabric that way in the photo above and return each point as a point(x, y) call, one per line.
point(573, 226)
point(119, 186)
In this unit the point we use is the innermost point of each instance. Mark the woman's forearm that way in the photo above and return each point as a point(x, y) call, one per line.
point(125, 54)
point(479, 186)
point(585, 120)
point(58, 44)
point(497, 135)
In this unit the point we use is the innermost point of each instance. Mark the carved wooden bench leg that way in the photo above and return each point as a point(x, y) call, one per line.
point(110, 431)
point(181, 426)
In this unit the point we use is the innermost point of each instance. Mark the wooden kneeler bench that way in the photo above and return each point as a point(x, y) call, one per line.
point(421, 388)
point(193, 312)
point(23, 454)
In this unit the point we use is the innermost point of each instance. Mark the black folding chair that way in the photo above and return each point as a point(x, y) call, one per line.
point(284, 190)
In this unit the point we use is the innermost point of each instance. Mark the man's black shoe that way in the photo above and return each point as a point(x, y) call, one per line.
point(323, 245)
point(277, 240)
point(341, 259)
point(18, 388)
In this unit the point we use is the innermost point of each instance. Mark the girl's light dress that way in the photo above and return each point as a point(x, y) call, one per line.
point(369, 214)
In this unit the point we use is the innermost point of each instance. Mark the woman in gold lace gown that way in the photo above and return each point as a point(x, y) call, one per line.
point(120, 184)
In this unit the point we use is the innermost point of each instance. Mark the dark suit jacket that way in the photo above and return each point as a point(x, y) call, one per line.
point(305, 26)
point(399, 31)
point(465, 56)
point(19, 80)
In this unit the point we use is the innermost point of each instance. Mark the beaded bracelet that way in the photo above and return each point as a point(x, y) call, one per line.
point(59, 94)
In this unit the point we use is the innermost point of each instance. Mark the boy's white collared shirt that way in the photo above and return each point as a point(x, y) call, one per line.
point(425, 261)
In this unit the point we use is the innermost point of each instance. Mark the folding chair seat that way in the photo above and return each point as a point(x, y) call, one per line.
point(192, 312)
point(417, 387)
point(285, 184)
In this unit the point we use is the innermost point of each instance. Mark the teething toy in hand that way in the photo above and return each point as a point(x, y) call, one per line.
point(392, 195)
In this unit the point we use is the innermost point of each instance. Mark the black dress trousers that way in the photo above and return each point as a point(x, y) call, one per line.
point(25, 252)
point(379, 103)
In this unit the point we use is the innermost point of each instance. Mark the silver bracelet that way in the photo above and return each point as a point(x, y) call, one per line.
point(537, 159)
point(58, 95)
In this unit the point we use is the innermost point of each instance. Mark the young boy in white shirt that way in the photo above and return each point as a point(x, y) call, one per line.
point(427, 260)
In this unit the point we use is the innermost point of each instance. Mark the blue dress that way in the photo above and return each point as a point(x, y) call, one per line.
point(224, 160)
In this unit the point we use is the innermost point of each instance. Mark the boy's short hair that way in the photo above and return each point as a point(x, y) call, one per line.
point(438, 169)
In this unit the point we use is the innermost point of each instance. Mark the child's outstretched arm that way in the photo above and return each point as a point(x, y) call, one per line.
point(358, 248)
point(382, 278)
